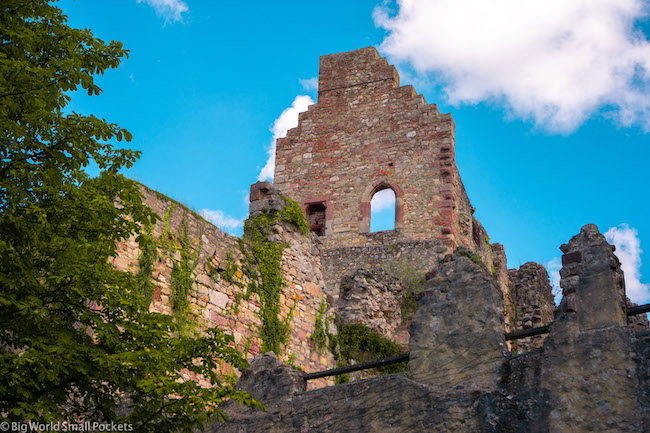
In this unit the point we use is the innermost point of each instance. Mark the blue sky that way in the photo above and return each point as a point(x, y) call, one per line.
point(551, 102)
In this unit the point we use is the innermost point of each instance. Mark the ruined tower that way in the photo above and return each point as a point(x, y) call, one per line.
point(366, 134)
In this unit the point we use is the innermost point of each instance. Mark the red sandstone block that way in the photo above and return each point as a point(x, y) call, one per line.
point(255, 195)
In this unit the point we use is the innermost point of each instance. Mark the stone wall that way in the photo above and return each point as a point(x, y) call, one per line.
point(365, 134)
point(532, 300)
point(638, 323)
point(500, 272)
point(374, 299)
point(590, 369)
point(216, 301)
point(421, 256)
point(592, 374)
point(457, 333)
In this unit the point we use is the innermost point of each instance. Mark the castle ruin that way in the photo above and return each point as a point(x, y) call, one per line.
point(366, 133)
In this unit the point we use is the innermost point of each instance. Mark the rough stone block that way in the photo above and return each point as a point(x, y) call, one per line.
point(269, 380)
point(588, 370)
point(457, 332)
point(219, 299)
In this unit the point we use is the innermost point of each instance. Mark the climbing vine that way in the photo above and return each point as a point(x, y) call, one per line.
point(146, 259)
point(358, 342)
point(182, 278)
point(261, 264)
point(267, 255)
point(165, 241)
point(320, 335)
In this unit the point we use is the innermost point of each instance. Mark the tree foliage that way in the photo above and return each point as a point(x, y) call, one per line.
point(77, 339)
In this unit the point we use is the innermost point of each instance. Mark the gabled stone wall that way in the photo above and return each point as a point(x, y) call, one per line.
point(365, 134)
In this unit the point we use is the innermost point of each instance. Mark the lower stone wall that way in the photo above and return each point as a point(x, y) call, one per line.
point(420, 256)
point(373, 298)
point(391, 403)
point(531, 298)
point(518, 402)
point(181, 237)
point(591, 373)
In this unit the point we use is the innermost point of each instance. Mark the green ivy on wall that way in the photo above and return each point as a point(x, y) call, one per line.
point(146, 259)
point(293, 214)
point(182, 278)
point(261, 268)
point(182, 273)
point(320, 336)
point(358, 342)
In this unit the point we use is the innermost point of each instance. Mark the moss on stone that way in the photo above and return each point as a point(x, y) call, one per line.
point(473, 257)
point(148, 255)
point(320, 335)
point(293, 214)
point(362, 344)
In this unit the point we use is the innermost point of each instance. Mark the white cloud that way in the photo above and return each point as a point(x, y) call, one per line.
point(553, 267)
point(556, 62)
point(309, 84)
point(628, 251)
point(246, 198)
point(221, 220)
point(170, 10)
point(384, 199)
point(288, 119)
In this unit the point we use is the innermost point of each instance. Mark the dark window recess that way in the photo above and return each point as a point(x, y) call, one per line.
point(316, 218)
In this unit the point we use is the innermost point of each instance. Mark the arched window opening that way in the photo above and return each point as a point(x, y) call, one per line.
point(316, 213)
point(382, 210)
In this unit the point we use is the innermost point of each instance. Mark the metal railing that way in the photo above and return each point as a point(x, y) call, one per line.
point(515, 335)
point(523, 333)
point(364, 366)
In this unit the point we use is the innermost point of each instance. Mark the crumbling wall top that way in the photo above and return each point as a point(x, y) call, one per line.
point(264, 197)
point(354, 68)
point(589, 270)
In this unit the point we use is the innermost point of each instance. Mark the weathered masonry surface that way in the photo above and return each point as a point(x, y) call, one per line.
point(592, 373)
point(365, 134)
point(214, 301)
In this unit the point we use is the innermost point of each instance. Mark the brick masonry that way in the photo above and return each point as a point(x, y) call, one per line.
point(214, 301)
point(532, 300)
point(365, 134)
